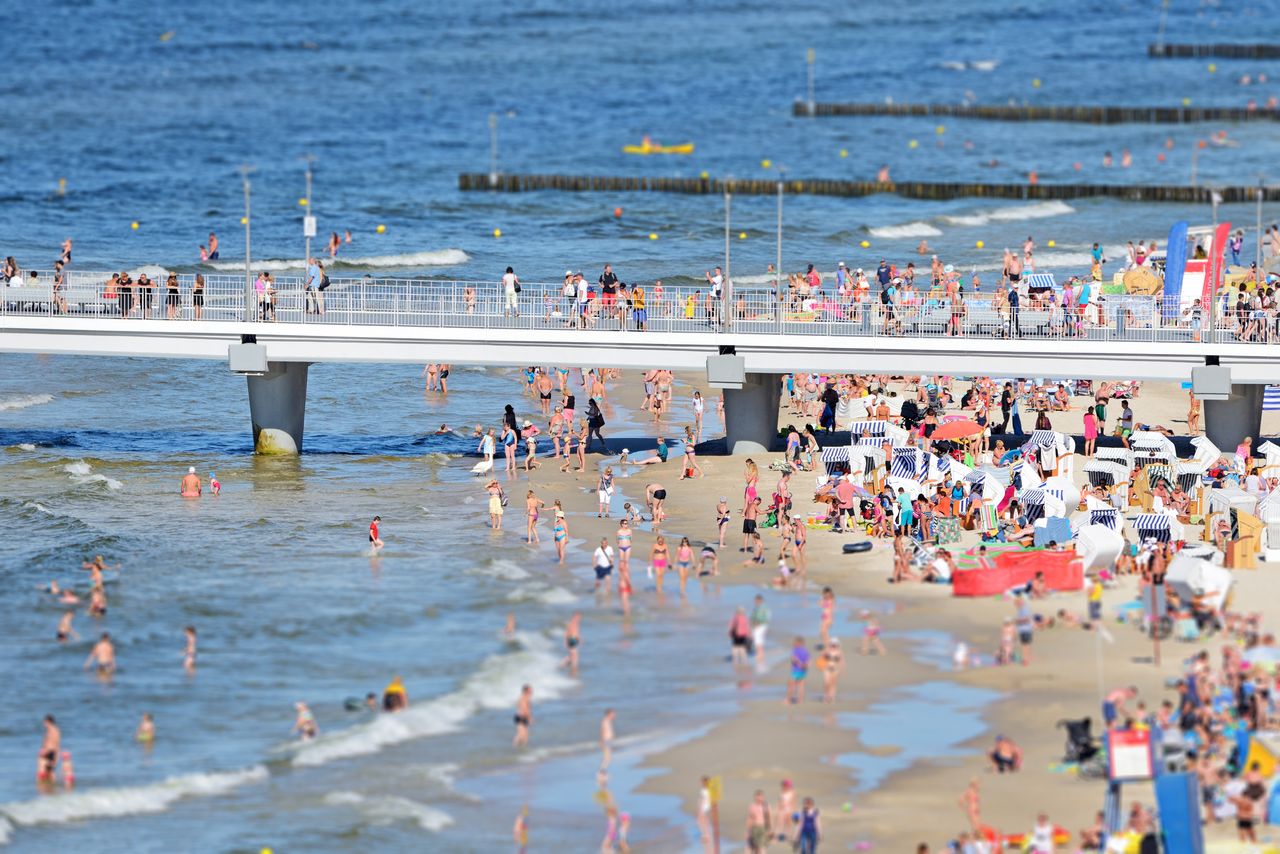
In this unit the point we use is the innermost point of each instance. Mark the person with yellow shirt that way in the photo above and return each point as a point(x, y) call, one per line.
point(638, 307)
point(1095, 599)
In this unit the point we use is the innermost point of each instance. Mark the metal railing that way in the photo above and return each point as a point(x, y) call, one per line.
point(369, 301)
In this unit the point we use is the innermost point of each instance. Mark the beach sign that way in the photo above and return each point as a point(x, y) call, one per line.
point(1129, 755)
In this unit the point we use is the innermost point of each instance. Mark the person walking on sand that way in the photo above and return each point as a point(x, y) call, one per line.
point(871, 637)
point(658, 556)
point(758, 824)
point(604, 492)
point(523, 717)
point(799, 671)
point(808, 829)
point(606, 739)
point(602, 562)
point(784, 812)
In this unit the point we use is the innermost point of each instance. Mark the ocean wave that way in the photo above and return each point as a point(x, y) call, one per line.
point(910, 229)
point(541, 593)
point(494, 685)
point(128, 800)
point(152, 271)
point(431, 258)
point(22, 401)
point(1013, 213)
point(6, 830)
point(389, 808)
point(35, 505)
point(26, 446)
point(82, 473)
point(507, 570)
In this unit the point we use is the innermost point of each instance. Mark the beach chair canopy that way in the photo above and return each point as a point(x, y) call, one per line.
point(1194, 577)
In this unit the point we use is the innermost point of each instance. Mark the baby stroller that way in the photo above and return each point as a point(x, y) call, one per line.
point(1081, 745)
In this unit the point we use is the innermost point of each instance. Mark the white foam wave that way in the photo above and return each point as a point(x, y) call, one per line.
point(984, 64)
point(504, 569)
point(82, 473)
point(22, 401)
point(389, 808)
point(494, 685)
point(539, 593)
point(153, 271)
point(1013, 213)
point(36, 505)
point(6, 830)
point(128, 800)
point(952, 65)
point(1065, 263)
point(431, 258)
point(26, 446)
point(910, 229)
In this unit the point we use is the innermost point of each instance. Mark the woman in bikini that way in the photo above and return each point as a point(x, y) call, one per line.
point(800, 534)
point(684, 561)
point(560, 532)
point(753, 478)
point(531, 505)
point(871, 637)
point(658, 559)
point(624, 546)
point(722, 518)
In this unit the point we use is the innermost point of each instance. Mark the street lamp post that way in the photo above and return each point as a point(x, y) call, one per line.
point(726, 295)
point(809, 58)
point(249, 312)
point(1257, 249)
point(777, 268)
point(493, 150)
point(308, 216)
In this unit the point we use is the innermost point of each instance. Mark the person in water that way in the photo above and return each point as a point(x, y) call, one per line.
point(215, 486)
point(374, 539)
point(305, 722)
point(191, 484)
point(394, 697)
point(146, 732)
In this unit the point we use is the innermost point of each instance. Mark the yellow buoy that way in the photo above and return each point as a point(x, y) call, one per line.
point(302, 202)
point(742, 235)
point(913, 144)
point(766, 163)
point(703, 175)
point(1035, 83)
point(1186, 102)
point(979, 244)
point(134, 225)
point(844, 152)
point(497, 232)
point(1052, 243)
point(866, 244)
point(940, 130)
point(381, 229)
point(167, 34)
point(653, 235)
point(244, 220)
point(1212, 68)
point(266, 851)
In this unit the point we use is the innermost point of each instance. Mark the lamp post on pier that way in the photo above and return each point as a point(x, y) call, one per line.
point(249, 311)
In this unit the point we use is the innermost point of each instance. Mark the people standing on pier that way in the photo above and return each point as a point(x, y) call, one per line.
point(511, 290)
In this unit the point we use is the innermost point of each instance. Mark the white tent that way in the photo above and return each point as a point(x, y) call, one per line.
point(1194, 577)
point(1233, 498)
point(1098, 546)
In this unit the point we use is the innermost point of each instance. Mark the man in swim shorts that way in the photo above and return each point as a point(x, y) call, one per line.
point(50, 746)
point(191, 483)
point(799, 670)
point(103, 654)
point(523, 716)
point(602, 560)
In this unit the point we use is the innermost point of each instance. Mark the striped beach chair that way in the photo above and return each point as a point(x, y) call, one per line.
point(1110, 518)
point(1153, 526)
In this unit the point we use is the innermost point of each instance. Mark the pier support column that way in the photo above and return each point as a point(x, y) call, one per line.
point(1226, 422)
point(751, 414)
point(278, 407)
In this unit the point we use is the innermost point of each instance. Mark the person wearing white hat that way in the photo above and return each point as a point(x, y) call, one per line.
point(842, 277)
point(191, 484)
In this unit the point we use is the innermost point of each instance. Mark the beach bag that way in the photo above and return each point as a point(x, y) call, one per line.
point(517, 287)
point(502, 497)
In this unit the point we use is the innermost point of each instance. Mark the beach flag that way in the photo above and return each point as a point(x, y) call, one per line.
point(1271, 398)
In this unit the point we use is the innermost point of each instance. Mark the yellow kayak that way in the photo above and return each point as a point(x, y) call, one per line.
point(649, 148)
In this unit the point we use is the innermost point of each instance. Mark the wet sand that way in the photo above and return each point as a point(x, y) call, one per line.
point(917, 773)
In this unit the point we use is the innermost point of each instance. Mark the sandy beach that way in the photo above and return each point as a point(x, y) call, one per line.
point(880, 781)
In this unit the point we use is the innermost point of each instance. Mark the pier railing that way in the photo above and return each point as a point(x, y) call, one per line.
point(394, 302)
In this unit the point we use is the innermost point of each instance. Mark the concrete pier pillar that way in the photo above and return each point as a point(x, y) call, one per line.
point(1226, 422)
point(278, 407)
point(751, 414)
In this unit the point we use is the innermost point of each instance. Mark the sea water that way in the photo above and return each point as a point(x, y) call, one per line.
point(289, 605)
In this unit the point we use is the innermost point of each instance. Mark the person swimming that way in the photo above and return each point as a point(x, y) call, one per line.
point(394, 697)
